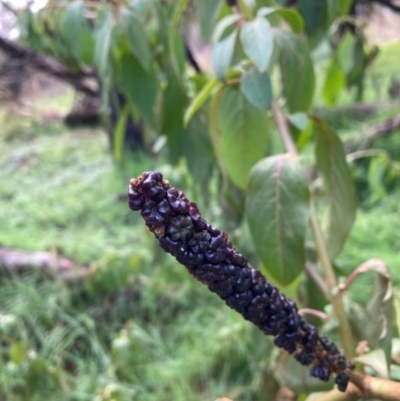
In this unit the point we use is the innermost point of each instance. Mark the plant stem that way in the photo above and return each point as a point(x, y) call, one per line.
point(345, 333)
point(367, 387)
point(323, 257)
point(283, 129)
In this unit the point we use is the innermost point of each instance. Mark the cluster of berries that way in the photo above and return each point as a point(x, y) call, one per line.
point(211, 258)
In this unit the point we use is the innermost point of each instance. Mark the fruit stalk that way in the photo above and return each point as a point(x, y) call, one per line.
point(210, 257)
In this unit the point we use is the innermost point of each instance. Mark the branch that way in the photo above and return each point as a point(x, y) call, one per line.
point(368, 387)
point(388, 4)
point(49, 262)
point(48, 65)
point(379, 130)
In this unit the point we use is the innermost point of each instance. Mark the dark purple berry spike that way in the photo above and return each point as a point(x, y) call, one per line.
point(209, 256)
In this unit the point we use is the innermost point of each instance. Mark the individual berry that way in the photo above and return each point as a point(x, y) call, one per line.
point(180, 227)
point(232, 270)
point(155, 176)
point(236, 258)
point(193, 259)
point(310, 339)
point(216, 251)
point(171, 246)
point(257, 277)
point(209, 272)
point(178, 201)
point(320, 372)
point(305, 358)
point(271, 328)
point(243, 284)
point(135, 199)
point(155, 213)
point(200, 241)
point(275, 304)
point(194, 211)
point(341, 362)
point(342, 380)
point(240, 299)
point(155, 192)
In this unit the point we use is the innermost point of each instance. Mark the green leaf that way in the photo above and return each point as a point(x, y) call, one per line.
point(377, 361)
point(380, 309)
point(199, 100)
point(344, 6)
point(244, 135)
point(18, 352)
point(256, 86)
point(339, 186)
point(76, 32)
point(277, 210)
point(207, 11)
point(256, 38)
point(297, 70)
point(215, 130)
point(222, 53)
point(299, 120)
point(223, 25)
point(345, 51)
point(335, 82)
point(292, 17)
point(119, 134)
point(174, 103)
point(102, 37)
point(314, 14)
point(137, 37)
point(197, 149)
point(180, 8)
point(176, 50)
point(139, 85)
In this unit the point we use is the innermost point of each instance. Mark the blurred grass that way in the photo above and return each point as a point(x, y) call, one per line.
point(138, 327)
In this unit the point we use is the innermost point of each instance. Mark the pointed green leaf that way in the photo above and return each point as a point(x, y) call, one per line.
point(380, 309)
point(335, 82)
point(314, 14)
point(197, 149)
point(199, 100)
point(215, 130)
point(174, 103)
point(103, 36)
point(119, 134)
point(244, 134)
point(76, 32)
point(207, 11)
point(299, 120)
point(223, 25)
point(222, 53)
point(277, 210)
point(293, 18)
point(137, 38)
point(256, 86)
point(140, 85)
point(256, 38)
point(339, 186)
point(376, 359)
point(297, 70)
